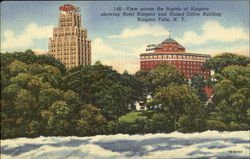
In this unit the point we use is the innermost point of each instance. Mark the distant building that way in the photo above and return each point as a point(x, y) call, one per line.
point(69, 43)
point(170, 51)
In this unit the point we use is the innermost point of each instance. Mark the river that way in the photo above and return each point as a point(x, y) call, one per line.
point(209, 144)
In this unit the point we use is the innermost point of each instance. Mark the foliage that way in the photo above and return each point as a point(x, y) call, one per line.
point(105, 88)
point(40, 97)
point(161, 76)
point(145, 81)
point(24, 100)
point(182, 102)
point(90, 121)
point(199, 84)
point(219, 62)
point(57, 120)
point(232, 98)
point(133, 116)
point(29, 57)
point(145, 122)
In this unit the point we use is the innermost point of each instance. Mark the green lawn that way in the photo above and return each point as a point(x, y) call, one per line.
point(132, 116)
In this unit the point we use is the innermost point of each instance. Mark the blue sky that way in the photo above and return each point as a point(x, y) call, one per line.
point(118, 41)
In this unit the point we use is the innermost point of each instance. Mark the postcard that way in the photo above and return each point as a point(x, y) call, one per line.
point(125, 79)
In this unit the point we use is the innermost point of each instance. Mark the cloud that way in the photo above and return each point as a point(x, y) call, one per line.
point(214, 31)
point(26, 38)
point(239, 49)
point(38, 51)
point(100, 48)
point(102, 51)
point(154, 30)
point(119, 59)
point(130, 65)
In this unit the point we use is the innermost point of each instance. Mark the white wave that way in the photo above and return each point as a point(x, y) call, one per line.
point(211, 144)
point(84, 151)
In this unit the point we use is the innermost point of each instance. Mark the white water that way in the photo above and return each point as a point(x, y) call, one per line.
point(209, 144)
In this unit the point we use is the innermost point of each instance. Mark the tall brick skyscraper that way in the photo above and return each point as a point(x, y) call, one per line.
point(69, 43)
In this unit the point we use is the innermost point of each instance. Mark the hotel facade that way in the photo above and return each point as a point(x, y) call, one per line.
point(70, 43)
point(170, 51)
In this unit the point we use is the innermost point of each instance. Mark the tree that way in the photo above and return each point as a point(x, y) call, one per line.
point(24, 78)
point(103, 87)
point(114, 101)
point(143, 77)
point(16, 67)
point(165, 74)
point(48, 96)
point(27, 57)
point(90, 79)
point(161, 76)
point(51, 61)
point(179, 100)
point(131, 81)
point(8, 112)
point(232, 98)
point(90, 121)
point(161, 122)
point(199, 84)
point(57, 118)
point(219, 62)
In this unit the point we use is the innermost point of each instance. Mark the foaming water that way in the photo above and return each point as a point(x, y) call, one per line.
point(209, 144)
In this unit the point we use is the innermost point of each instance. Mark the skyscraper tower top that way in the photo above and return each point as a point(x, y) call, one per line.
point(69, 16)
point(68, 7)
point(69, 42)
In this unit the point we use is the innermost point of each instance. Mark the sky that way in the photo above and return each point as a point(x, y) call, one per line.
point(119, 40)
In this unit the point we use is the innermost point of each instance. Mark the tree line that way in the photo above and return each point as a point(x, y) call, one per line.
point(40, 97)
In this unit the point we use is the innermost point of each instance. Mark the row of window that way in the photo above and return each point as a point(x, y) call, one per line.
point(75, 23)
point(66, 58)
point(193, 71)
point(69, 29)
point(64, 44)
point(68, 51)
point(66, 38)
point(203, 76)
point(175, 62)
point(69, 54)
point(169, 45)
point(192, 67)
point(68, 24)
point(69, 34)
point(68, 16)
point(170, 48)
point(62, 29)
point(66, 20)
point(171, 57)
point(67, 44)
point(188, 72)
point(67, 63)
point(60, 54)
point(183, 68)
point(60, 50)
point(66, 34)
point(65, 48)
